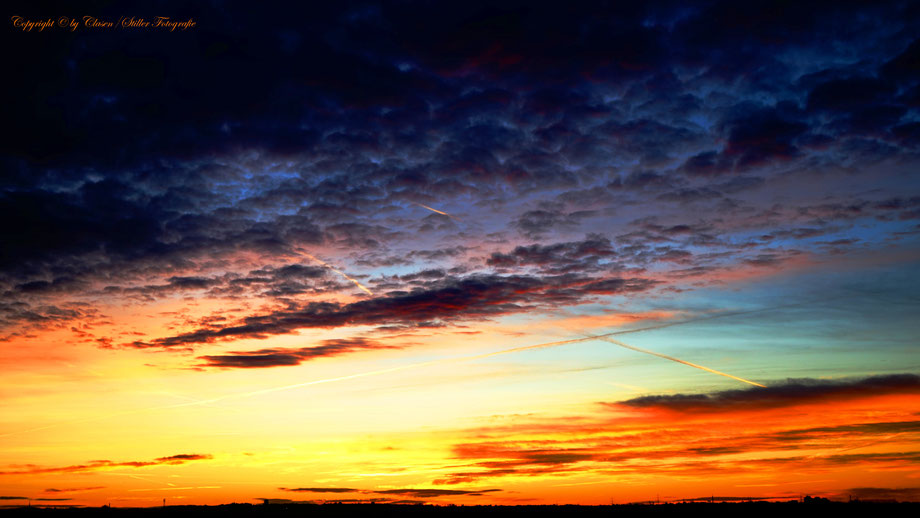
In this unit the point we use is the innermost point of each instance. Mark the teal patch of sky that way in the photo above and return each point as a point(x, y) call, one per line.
point(831, 323)
point(843, 322)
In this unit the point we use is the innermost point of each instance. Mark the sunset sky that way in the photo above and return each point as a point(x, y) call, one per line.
point(457, 253)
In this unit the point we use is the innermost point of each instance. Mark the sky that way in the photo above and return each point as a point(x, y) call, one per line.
point(459, 252)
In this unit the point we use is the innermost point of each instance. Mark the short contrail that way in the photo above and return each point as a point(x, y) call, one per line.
point(441, 212)
point(336, 270)
point(678, 360)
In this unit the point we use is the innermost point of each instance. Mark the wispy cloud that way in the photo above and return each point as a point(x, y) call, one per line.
point(279, 357)
point(417, 493)
point(471, 297)
point(789, 393)
point(730, 432)
point(72, 489)
point(97, 465)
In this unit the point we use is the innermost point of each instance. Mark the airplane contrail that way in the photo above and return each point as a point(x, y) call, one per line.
point(709, 317)
point(678, 360)
point(544, 345)
point(373, 373)
point(635, 330)
point(423, 364)
point(201, 402)
point(336, 270)
point(441, 212)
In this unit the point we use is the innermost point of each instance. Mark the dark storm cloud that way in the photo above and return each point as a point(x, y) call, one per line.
point(535, 223)
point(358, 235)
point(763, 136)
point(63, 238)
point(138, 159)
point(652, 142)
point(640, 180)
point(442, 300)
point(791, 393)
point(374, 259)
point(276, 282)
point(31, 317)
point(355, 60)
point(691, 195)
point(707, 163)
point(576, 256)
point(279, 357)
point(95, 218)
point(859, 105)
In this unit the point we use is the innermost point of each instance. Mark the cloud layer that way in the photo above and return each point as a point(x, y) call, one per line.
point(545, 134)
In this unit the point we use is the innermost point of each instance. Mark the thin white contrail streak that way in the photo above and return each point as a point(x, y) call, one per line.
point(441, 212)
point(636, 330)
point(372, 373)
point(678, 360)
point(336, 270)
point(710, 317)
point(405, 367)
point(507, 351)
point(306, 384)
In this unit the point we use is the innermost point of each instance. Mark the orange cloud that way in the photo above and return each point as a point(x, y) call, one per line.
point(836, 426)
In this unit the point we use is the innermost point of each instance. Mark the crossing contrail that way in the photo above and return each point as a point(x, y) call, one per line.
point(544, 345)
point(678, 360)
point(708, 317)
point(635, 330)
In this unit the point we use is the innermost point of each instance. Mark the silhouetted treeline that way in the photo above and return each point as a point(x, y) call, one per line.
point(814, 507)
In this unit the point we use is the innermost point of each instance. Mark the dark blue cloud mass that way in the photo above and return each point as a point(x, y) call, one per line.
point(598, 140)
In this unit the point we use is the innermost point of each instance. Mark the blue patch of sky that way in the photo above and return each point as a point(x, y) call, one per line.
point(866, 318)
